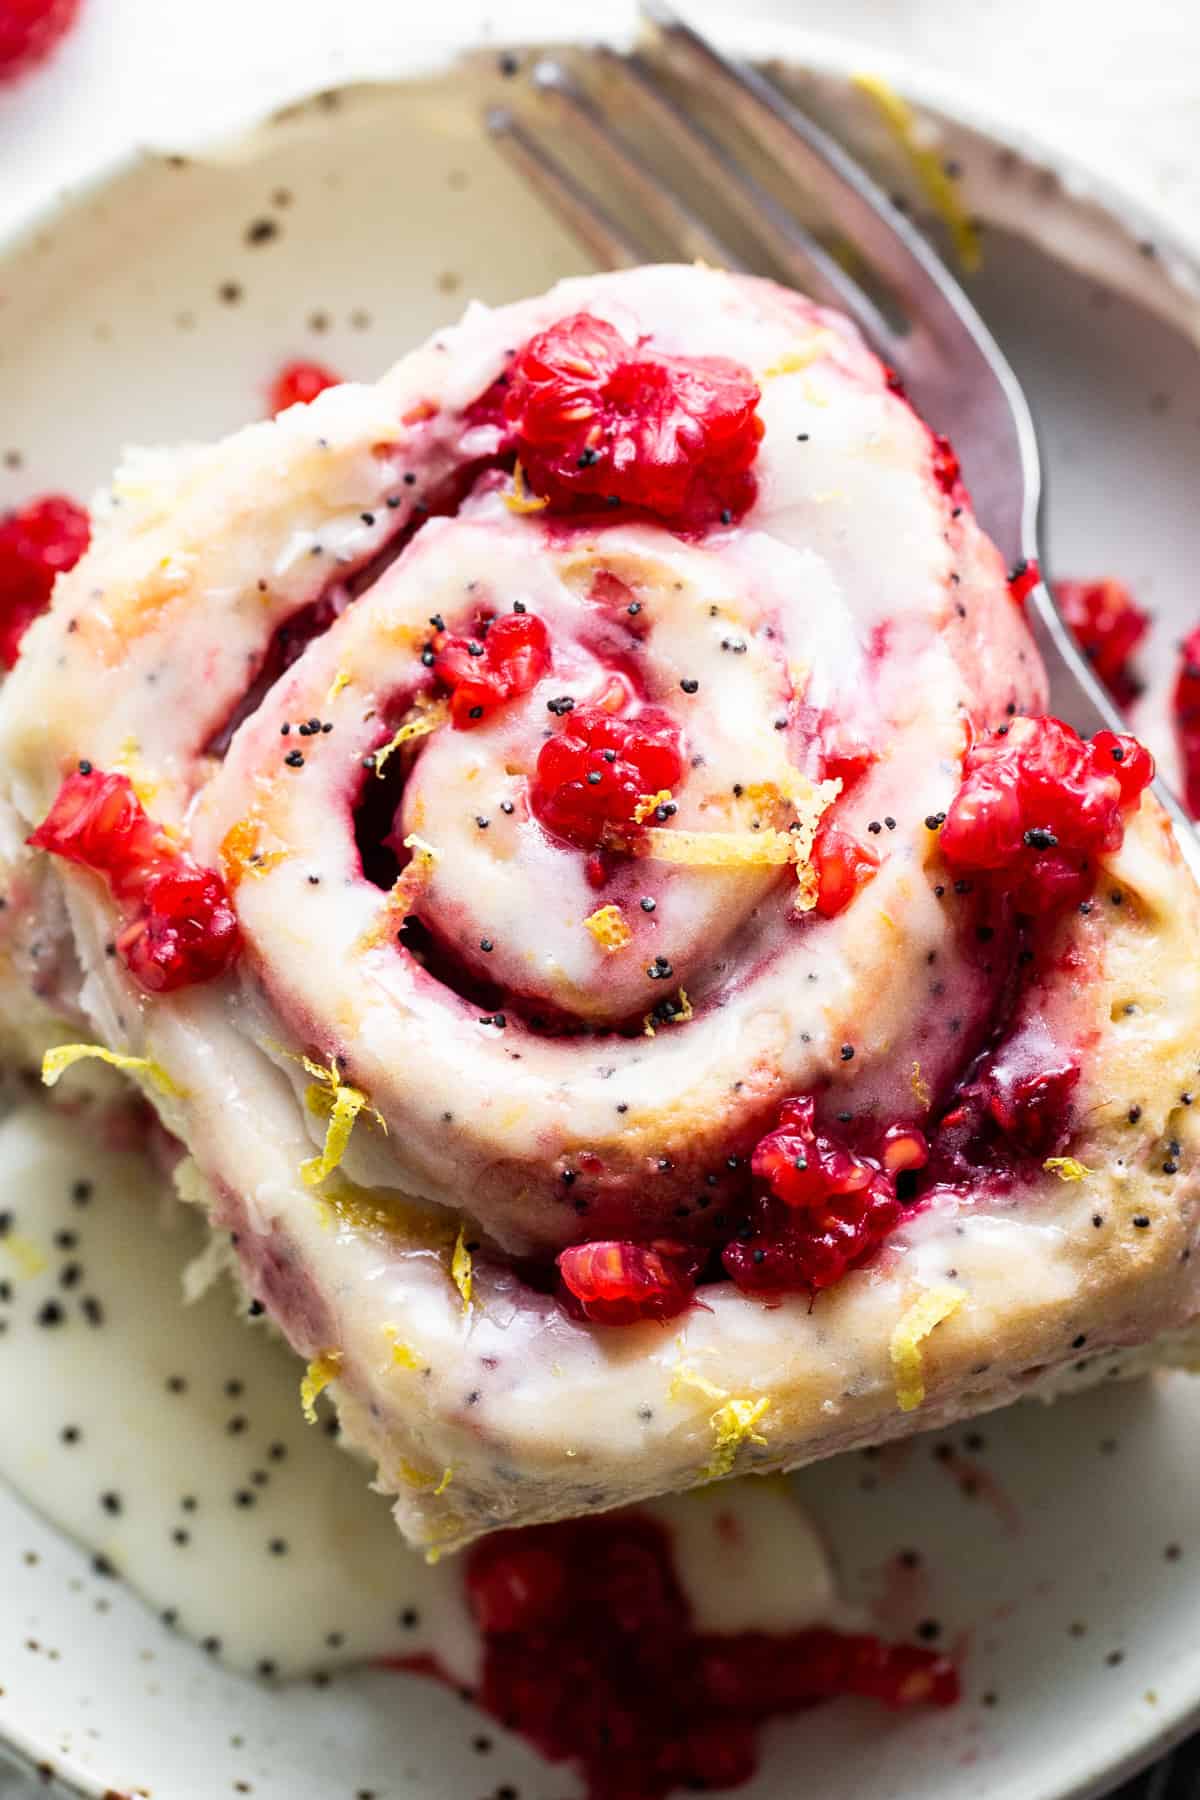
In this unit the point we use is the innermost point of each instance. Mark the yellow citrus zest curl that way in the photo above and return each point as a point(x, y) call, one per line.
point(320, 1372)
point(914, 1326)
point(929, 167)
point(609, 927)
point(341, 1104)
point(461, 1267)
point(519, 499)
point(55, 1062)
point(1067, 1168)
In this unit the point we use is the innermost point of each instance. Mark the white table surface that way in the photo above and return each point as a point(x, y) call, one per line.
point(1115, 85)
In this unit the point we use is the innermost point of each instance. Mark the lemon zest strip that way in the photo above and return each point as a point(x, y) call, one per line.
point(460, 1269)
point(650, 803)
point(920, 1087)
point(609, 927)
point(320, 1372)
point(63, 1056)
point(341, 680)
point(929, 168)
point(328, 1094)
point(519, 500)
point(733, 1425)
point(420, 725)
point(1067, 1168)
point(792, 361)
point(25, 1254)
point(913, 1327)
point(402, 1354)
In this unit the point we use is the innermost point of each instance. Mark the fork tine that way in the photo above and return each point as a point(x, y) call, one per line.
point(805, 261)
point(890, 243)
point(670, 213)
point(608, 243)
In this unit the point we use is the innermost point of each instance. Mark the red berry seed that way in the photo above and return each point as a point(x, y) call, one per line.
point(483, 673)
point(592, 774)
point(37, 544)
point(180, 926)
point(596, 420)
point(297, 383)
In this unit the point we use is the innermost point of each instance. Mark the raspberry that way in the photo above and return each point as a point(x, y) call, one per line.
point(297, 383)
point(98, 821)
point(180, 927)
point(1038, 805)
point(29, 32)
point(622, 1284)
point(1024, 578)
point(791, 1252)
point(1030, 1102)
point(505, 661)
point(591, 775)
point(595, 420)
point(515, 1586)
point(1186, 710)
point(827, 1209)
point(590, 1652)
point(40, 542)
point(842, 866)
point(1108, 625)
point(186, 932)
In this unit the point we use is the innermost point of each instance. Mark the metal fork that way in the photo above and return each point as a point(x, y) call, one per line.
point(930, 333)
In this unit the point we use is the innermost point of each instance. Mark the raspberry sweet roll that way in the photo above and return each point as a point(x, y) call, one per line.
point(570, 839)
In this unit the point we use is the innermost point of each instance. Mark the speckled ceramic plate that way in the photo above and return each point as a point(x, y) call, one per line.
point(1059, 1550)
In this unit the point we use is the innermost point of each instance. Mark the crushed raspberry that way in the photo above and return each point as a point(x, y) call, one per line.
point(946, 470)
point(1186, 712)
point(1024, 578)
point(1108, 625)
point(592, 774)
point(842, 866)
point(826, 1209)
point(179, 926)
point(29, 32)
point(1031, 1102)
point(596, 420)
point(591, 1653)
point(42, 541)
point(299, 382)
point(616, 1283)
point(1017, 1104)
point(1038, 805)
point(506, 660)
point(186, 932)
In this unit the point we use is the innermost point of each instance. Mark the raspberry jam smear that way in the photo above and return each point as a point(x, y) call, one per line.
point(1185, 705)
point(37, 544)
point(1038, 805)
point(591, 1653)
point(1108, 625)
point(179, 924)
point(505, 659)
point(593, 774)
point(597, 421)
